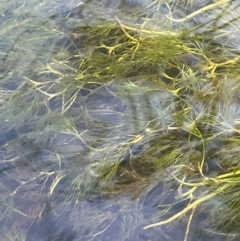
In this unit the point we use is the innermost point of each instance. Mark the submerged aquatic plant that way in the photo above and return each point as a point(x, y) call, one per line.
point(107, 102)
point(14, 234)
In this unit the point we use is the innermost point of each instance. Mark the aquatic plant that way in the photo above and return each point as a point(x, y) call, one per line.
point(107, 102)
point(14, 234)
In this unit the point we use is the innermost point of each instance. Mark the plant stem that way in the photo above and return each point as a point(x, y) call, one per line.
point(201, 10)
point(189, 207)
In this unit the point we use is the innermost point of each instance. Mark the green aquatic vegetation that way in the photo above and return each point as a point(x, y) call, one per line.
point(121, 99)
point(220, 190)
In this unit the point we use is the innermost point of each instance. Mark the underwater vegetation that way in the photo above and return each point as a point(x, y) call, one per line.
point(120, 121)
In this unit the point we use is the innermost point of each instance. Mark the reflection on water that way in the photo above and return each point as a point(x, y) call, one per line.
point(115, 117)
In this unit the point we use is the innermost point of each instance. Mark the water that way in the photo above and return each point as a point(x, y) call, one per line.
point(103, 108)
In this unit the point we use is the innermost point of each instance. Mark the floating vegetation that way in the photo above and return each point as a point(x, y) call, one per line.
point(120, 121)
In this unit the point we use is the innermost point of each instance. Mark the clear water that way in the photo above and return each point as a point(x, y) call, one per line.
point(62, 138)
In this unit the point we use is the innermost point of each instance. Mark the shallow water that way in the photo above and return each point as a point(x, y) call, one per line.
point(79, 159)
